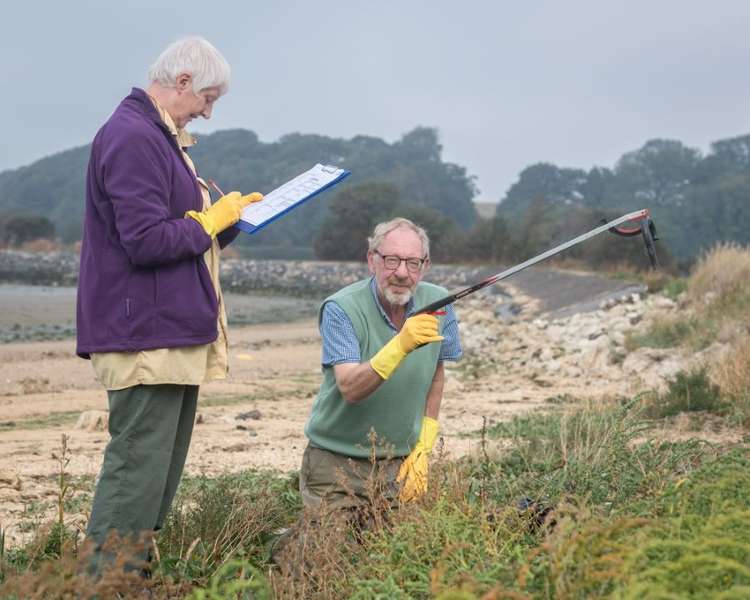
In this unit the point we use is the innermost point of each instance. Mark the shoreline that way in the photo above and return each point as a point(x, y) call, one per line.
point(38, 313)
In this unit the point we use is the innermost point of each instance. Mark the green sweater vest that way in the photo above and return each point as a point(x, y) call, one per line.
point(394, 411)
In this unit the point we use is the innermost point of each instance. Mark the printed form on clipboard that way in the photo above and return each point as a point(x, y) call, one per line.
point(289, 196)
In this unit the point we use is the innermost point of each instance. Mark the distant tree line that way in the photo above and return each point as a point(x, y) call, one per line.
point(238, 160)
point(696, 199)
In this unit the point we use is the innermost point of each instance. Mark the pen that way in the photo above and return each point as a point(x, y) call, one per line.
point(214, 185)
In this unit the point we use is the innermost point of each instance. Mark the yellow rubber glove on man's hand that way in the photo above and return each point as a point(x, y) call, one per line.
point(224, 213)
point(413, 471)
point(417, 331)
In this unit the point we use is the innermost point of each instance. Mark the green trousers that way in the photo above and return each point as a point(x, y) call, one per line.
point(150, 427)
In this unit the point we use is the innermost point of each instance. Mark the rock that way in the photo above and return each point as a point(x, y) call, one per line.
point(663, 303)
point(93, 420)
point(617, 337)
point(652, 365)
point(251, 414)
point(546, 354)
point(10, 480)
point(634, 319)
point(236, 448)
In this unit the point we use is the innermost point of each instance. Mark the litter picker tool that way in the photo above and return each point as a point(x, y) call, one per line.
point(645, 227)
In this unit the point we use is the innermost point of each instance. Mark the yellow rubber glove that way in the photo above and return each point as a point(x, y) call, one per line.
point(417, 331)
point(224, 213)
point(413, 471)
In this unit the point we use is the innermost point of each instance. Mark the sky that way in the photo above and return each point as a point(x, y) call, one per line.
point(506, 84)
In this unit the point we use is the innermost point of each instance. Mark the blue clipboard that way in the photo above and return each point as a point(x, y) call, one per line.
point(250, 228)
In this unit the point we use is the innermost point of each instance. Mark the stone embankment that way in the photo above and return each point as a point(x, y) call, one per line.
point(37, 268)
point(587, 347)
point(285, 277)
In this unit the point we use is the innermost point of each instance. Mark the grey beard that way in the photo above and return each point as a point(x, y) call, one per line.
point(397, 299)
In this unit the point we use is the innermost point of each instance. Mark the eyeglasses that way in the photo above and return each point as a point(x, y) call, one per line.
point(393, 262)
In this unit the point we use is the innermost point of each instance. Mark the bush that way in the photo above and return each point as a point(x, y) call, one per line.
point(671, 333)
point(215, 520)
point(686, 392)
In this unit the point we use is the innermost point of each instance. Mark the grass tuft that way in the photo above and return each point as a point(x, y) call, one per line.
point(686, 392)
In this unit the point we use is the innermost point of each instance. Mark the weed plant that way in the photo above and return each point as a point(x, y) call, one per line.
point(732, 374)
point(214, 521)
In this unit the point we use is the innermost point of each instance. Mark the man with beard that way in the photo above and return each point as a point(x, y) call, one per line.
point(374, 421)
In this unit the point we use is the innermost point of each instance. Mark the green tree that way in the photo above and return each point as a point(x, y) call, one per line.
point(658, 174)
point(446, 238)
point(353, 213)
point(545, 183)
point(15, 230)
point(489, 240)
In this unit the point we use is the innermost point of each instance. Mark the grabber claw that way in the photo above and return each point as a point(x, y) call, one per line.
point(646, 228)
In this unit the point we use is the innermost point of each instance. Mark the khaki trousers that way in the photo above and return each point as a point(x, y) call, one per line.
point(338, 482)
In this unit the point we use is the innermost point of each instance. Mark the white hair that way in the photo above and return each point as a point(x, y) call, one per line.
point(196, 56)
point(383, 229)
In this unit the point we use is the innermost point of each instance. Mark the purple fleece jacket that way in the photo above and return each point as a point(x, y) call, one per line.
point(143, 283)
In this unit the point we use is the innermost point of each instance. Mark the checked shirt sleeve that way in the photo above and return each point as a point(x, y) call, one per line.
point(450, 348)
point(340, 343)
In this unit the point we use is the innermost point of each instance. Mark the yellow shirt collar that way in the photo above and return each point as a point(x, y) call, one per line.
point(184, 139)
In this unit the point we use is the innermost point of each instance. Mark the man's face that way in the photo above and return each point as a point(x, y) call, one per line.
point(395, 285)
point(188, 105)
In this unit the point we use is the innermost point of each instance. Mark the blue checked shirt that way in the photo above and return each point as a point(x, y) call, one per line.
point(340, 344)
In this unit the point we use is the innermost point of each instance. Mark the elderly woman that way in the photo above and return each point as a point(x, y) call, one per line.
point(150, 311)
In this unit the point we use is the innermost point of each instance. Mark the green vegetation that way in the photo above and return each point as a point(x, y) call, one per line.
point(674, 287)
point(691, 332)
point(215, 521)
point(686, 392)
point(629, 516)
